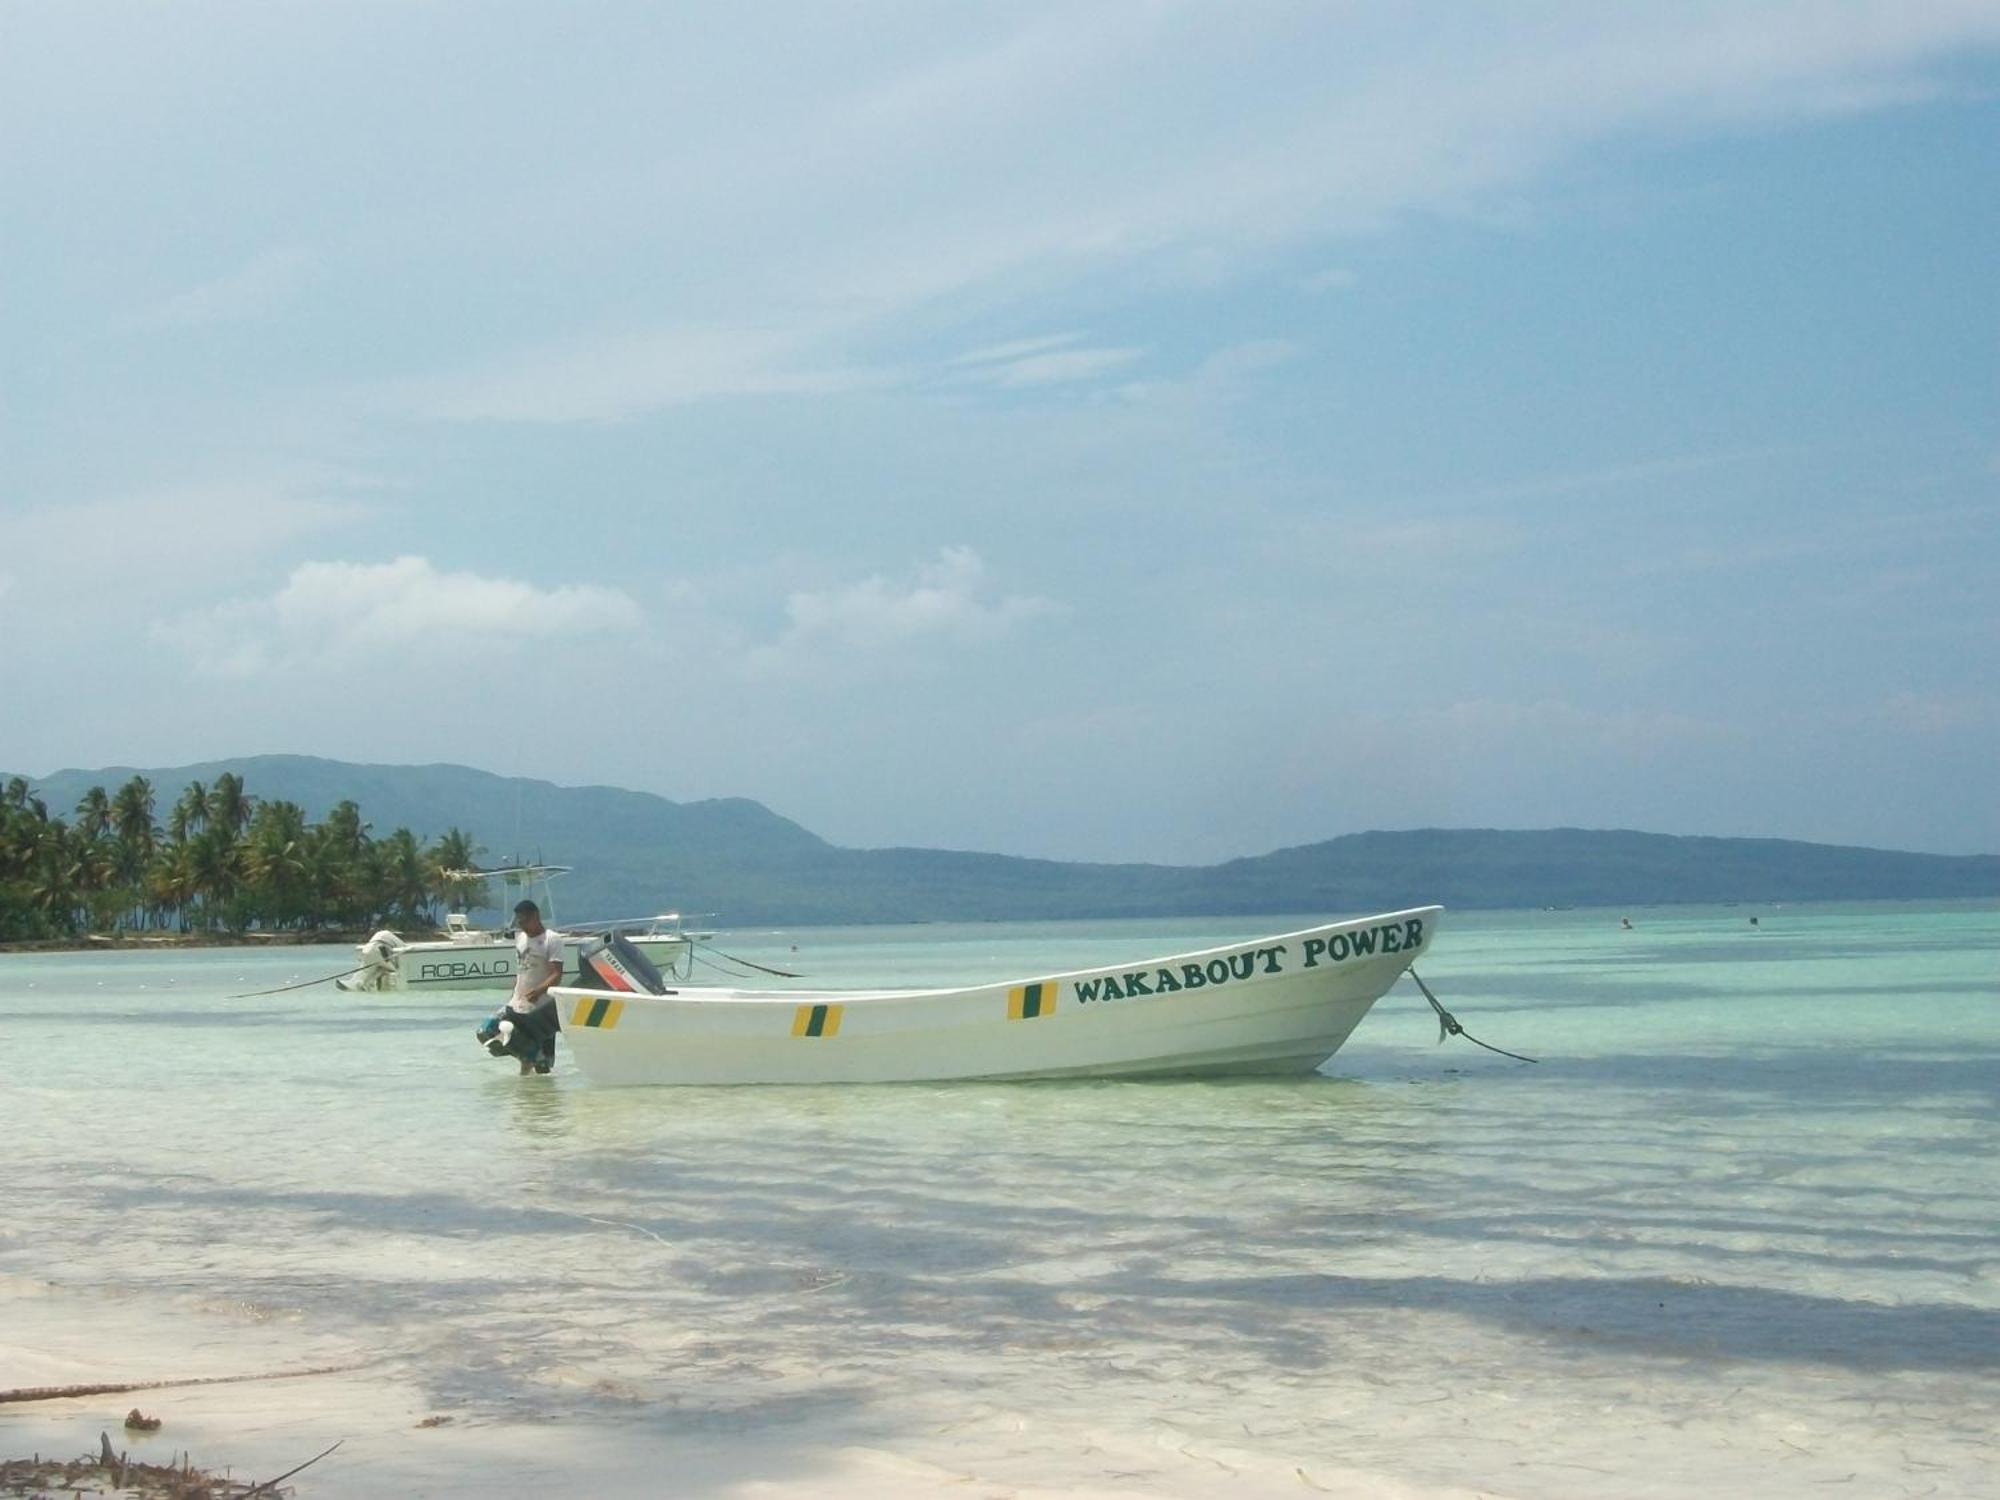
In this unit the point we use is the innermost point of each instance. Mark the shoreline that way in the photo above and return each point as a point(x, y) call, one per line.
point(148, 942)
point(353, 937)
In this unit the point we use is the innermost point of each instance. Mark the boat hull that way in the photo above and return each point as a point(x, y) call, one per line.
point(1274, 1006)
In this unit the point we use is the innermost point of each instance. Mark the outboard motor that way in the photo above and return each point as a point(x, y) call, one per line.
point(615, 962)
point(512, 1033)
point(378, 962)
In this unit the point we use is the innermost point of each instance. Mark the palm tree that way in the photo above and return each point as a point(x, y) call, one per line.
point(343, 857)
point(215, 875)
point(94, 880)
point(24, 830)
point(274, 859)
point(228, 807)
point(171, 881)
point(329, 894)
point(53, 873)
point(93, 814)
point(190, 814)
point(227, 860)
point(132, 822)
point(405, 886)
point(344, 826)
point(132, 811)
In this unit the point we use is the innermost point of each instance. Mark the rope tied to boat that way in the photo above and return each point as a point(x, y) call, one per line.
point(693, 943)
point(302, 984)
point(1448, 1024)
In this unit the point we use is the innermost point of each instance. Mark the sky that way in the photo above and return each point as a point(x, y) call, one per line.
point(1132, 430)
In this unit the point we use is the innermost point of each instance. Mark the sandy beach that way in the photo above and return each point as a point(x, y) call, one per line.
point(394, 1442)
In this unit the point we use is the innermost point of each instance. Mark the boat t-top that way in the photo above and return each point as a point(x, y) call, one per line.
point(470, 957)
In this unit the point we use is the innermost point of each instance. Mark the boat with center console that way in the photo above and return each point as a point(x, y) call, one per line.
point(468, 956)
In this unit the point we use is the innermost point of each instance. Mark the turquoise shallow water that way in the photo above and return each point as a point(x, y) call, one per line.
point(1738, 1231)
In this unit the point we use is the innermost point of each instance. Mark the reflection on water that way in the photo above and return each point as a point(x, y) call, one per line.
point(1758, 1167)
point(534, 1114)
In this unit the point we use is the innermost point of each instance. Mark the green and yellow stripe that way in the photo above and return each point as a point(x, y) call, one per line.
point(817, 1020)
point(601, 1012)
point(1030, 1002)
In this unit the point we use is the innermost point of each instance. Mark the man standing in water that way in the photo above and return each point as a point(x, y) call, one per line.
point(537, 966)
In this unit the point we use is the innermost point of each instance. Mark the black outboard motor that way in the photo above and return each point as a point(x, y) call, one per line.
point(614, 962)
point(527, 1035)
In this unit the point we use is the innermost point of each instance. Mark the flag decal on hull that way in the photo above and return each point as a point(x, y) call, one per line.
point(1030, 1002)
point(602, 1012)
point(817, 1020)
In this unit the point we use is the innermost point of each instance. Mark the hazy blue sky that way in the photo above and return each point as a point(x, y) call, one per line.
point(1095, 430)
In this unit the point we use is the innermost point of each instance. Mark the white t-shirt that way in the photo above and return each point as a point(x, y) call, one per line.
point(535, 959)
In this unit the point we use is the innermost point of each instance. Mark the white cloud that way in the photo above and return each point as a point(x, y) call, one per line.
point(765, 225)
point(624, 376)
point(349, 614)
point(1225, 375)
point(1058, 182)
point(254, 290)
point(1236, 361)
point(1351, 125)
point(616, 378)
point(1048, 359)
point(1332, 279)
point(1060, 367)
point(1015, 349)
point(946, 601)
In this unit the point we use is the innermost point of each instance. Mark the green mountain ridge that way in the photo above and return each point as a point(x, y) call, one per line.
point(739, 864)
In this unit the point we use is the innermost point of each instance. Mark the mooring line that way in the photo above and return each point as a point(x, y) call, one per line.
point(761, 969)
point(1448, 1024)
point(302, 984)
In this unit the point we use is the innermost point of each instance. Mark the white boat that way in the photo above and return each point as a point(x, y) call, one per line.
point(1275, 1005)
point(469, 957)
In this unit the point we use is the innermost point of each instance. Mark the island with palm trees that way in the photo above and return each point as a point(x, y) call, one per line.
point(225, 867)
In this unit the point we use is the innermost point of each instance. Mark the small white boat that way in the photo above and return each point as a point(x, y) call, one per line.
point(470, 957)
point(1275, 1005)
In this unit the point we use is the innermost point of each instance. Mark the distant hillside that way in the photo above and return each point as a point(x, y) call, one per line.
point(735, 859)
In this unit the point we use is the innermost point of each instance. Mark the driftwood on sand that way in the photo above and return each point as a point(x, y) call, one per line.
point(113, 1473)
point(110, 1472)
